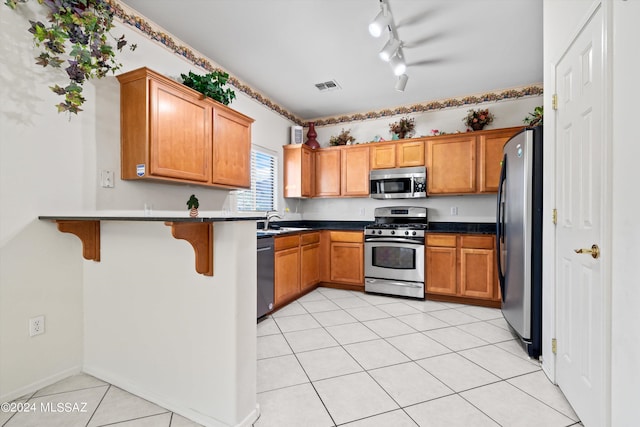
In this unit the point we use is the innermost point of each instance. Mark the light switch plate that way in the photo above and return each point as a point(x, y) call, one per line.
point(106, 178)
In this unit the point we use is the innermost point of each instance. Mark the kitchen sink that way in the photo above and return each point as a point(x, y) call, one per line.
point(281, 230)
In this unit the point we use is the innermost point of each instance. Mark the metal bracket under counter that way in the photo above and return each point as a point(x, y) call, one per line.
point(197, 231)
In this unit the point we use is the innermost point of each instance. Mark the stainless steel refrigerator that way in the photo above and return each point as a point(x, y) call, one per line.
point(519, 237)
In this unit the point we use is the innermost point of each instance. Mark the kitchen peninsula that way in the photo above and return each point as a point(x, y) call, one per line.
point(155, 327)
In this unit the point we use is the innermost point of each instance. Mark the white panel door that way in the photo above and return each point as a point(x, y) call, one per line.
point(581, 339)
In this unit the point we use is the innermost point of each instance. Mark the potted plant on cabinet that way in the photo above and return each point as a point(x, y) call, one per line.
point(403, 128)
point(535, 118)
point(478, 119)
point(193, 204)
point(75, 36)
point(344, 138)
point(211, 85)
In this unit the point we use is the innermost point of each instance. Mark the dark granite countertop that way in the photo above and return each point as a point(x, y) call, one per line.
point(434, 227)
point(166, 216)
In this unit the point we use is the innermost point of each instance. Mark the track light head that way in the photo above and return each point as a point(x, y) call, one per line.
point(402, 82)
point(389, 49)
point(397, 64)
point(382, 20)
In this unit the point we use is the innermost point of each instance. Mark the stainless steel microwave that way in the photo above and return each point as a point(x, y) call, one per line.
point(399, 183)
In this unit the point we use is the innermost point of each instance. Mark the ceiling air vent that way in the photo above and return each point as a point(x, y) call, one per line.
point(328, 86)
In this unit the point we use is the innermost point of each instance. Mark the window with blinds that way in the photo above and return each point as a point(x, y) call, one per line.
point(262, 196)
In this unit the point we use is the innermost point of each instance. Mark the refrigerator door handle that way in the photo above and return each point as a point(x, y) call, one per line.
point(500, 224)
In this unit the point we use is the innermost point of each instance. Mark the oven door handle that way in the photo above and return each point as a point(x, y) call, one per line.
point(394, 283)
point(394, 240)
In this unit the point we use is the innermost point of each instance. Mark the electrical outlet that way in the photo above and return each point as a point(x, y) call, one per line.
point(36, 326)
point(454, 211)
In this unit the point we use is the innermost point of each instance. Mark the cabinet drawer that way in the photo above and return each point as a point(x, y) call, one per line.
point(286, 242)
point(309, 238)
point(477, 242)
point(347, 236)
point(448, 240)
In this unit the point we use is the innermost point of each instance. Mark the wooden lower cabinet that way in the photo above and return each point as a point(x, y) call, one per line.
point(309, 260)
point(346, 258)
point(296, 265)
point(461, 267)
point(286, 268)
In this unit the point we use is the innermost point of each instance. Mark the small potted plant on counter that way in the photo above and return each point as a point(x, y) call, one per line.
point(193, 204)
point(478, 119)
point(403, 128)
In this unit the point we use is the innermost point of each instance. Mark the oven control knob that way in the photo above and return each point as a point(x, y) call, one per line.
point(379, 231)
point(393, 232)
point(406, 233)
point(414, 233)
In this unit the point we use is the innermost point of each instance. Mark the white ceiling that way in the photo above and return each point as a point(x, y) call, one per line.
point(282, 48)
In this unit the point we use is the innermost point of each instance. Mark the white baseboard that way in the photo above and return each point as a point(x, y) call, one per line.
point(33, 387)
point(166, 402)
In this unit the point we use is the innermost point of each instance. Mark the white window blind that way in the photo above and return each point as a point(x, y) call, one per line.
point(264, 172)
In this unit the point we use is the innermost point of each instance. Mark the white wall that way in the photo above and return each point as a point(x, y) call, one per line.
point(42, 166)
point(50, 163)
point(625, 345)
point(472, 208)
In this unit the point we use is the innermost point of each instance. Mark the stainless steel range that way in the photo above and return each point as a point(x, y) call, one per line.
point(394, 251)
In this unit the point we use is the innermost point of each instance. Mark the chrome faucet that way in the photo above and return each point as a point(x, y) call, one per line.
point(270, 216)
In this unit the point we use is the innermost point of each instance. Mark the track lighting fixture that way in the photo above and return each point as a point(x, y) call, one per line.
point(402, 82)
point(381, 21)
point(397, 64)
point(392, 50)
point(389, 49)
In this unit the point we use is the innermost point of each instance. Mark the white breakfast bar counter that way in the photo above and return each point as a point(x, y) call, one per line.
point(156, 327)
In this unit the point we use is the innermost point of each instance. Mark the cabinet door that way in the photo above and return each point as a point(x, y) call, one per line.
point(309, 266)
point(451, 165)
point(327, 176)
point(298, 171)
point(180, 134)
point(383, 156)
point(231, 148)
point(441, 270)
point(355, 171)
point(347, 263)
point(477, 273)
point(286, 274)
point(410, 154)
point(490, 157)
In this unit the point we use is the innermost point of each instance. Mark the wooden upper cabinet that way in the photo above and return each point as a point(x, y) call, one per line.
point(231, 148)
point(490, 158)
point(327, 172)
point(410, 154)
point(354, 175)
point(298, 171)
point(383, 156)
point(171, 132)
point(180, 135)
point(397, 154)
point(451, 164)
point(466, 163)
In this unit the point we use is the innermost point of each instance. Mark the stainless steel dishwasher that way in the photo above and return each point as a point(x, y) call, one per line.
point(265, 275)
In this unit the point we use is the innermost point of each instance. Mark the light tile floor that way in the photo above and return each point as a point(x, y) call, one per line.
point(342, 358)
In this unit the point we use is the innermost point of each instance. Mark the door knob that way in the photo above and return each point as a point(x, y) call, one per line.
point(594, 251)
